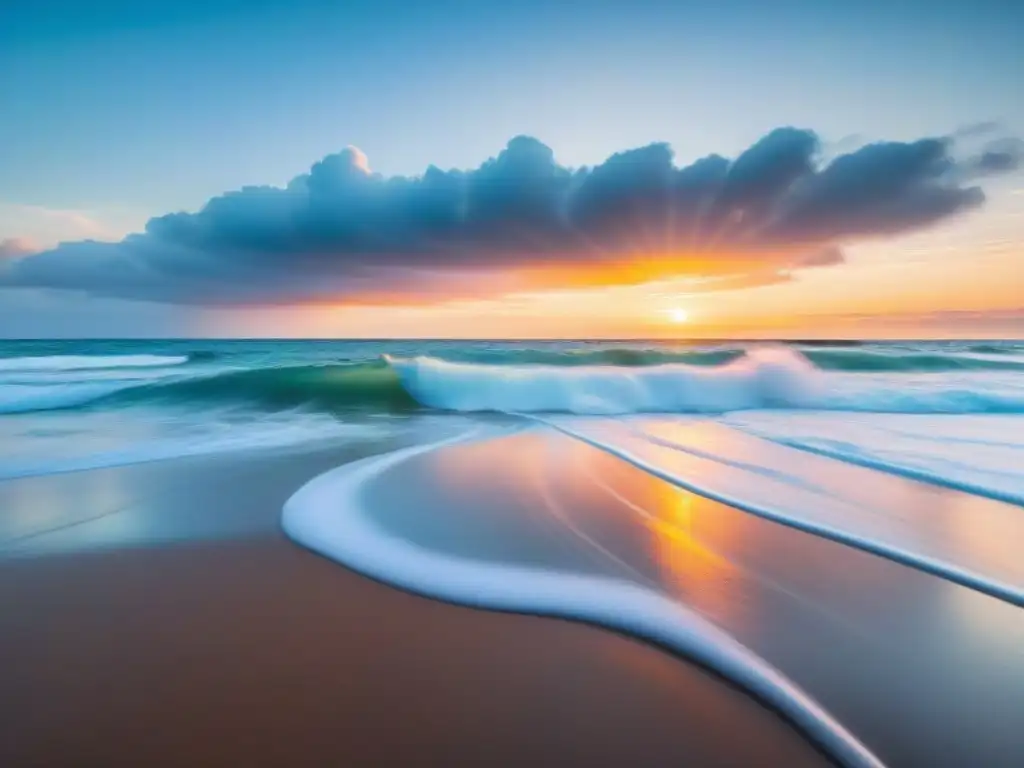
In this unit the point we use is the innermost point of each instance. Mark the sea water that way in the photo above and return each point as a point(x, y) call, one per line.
point(951, 412)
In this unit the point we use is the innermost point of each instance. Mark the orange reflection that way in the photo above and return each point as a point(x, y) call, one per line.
point(684, 534)
point(989, 533)
point(705, 577)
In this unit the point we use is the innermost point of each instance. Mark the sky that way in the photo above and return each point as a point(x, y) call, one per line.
point(511, 170)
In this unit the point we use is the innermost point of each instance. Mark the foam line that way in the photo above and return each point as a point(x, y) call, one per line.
point(961, 576)
point(756, 469)
point(776, 378)
point(25, 398)
point(328, 515)
point(88, 362)
point(900, 470)
point(652, 519)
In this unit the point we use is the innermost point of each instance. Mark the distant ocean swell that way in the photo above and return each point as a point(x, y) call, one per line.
point(58, 363)
point(609, 381)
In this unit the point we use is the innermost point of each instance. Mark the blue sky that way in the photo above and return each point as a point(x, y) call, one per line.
point(114, 112)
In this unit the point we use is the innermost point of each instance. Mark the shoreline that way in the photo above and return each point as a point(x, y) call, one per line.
point(191, 559)
point(191, 641)
point(922, 670)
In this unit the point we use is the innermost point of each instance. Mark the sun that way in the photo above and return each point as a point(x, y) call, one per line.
point(678, 315)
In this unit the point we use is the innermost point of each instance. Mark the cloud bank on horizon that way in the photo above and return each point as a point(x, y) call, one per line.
point(521, 221)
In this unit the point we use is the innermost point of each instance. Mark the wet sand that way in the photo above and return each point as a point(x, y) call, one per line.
point(922, 670)
point(154, 615)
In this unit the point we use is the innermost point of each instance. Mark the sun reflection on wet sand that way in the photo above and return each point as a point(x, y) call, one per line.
point(840, 622)
point(724, 563)
point(970, 533)
point(677, 525)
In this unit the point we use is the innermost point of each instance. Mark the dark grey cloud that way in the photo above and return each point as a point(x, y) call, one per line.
point(882, 188)
point(1000, 156)
point(523, 221)
point(980, 128)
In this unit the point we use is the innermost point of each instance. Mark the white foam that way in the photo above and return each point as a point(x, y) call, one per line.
point(765, 377)
point(22, 398)
point(847, 513)
point(85, 362)
point(328, 515)
point(978, 454)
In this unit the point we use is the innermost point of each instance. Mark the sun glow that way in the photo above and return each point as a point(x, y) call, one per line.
point(678, 315)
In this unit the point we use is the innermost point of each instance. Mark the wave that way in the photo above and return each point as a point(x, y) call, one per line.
point(626, 357)
point(764, 378)
point(850, 359)
point(87, 362)
point(331, 388)
point(860, 360)
point(27, 398)
point(998, 349)
point(366, 386)
point(761, 378)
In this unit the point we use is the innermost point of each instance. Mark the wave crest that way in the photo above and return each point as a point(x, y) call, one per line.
point(87, 362)
point(763, 378)
point(710, 381)
point(373, 386)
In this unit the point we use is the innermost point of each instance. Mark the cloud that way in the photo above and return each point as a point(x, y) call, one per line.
point(521, 221)
point(68, 222)
point(15, 247)
point(1001, 156)
point(826, 257)
point(999, 320)
point(981, 128)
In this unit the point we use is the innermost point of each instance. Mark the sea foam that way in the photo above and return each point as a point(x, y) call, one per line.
point(981, 454)
point(328, 515)
point(25, 398)
point(773, 482)
point(763, 378)
point(86, 362)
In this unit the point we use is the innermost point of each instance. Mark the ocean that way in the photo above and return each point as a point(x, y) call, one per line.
point(947, 412)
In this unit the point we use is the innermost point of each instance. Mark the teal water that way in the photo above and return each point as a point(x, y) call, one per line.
point(77, 403)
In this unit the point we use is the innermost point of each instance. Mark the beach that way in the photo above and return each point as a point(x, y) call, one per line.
point(183, 628)
point(279, 553)
point(519, 384)
point(918, 669)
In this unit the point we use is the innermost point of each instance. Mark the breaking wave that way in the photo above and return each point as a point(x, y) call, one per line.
point(776, 378)
point(608, 381)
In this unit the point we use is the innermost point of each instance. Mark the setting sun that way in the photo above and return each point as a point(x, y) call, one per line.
point(678, 315)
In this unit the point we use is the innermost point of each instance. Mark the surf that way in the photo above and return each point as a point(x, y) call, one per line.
point(56, 363)
point(762, 378)
point(712, 382)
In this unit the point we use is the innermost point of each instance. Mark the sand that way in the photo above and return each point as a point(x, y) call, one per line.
point(922, 670)
point(154, 615)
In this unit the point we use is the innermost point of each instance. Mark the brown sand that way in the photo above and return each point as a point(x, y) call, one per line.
point(245, 650)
